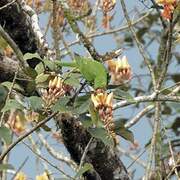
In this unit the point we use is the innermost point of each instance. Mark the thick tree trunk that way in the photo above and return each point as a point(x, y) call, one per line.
point(105, 160)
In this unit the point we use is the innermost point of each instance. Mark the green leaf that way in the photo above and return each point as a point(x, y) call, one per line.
point(42, 78)
point(120, 94)
point(50, 64)
point(39, 68)
point(5, 134)
point(8, 84)
point(86, 121)
point(3, 95)
point(72, 81)
point(92, 71)
point(31, 56)
point(101, 134)
point(94, 115)
point(61, 105)
point(66, 64)
point(35, 103)
point(85, 168)
point(31, 72)
point(31, 87)
point(12, 104)
point(122, 131)
point(81, 104)
point(6, 167)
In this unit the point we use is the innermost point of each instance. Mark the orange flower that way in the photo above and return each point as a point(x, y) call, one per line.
point(168, 7)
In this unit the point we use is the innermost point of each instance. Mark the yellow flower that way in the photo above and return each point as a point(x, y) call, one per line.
point(17, 122)
point(44, 176)
point(20, 176)
point(120, 70)
point(102, 99)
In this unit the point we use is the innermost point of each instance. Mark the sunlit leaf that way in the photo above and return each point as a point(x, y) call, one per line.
point(5, 134)
point(36, 103)
point(8, 84)
point(61, 105)
point(39, 68)
point(31, 56)
point(81, 104)
point(72, 81)
point(92, 71)
point(12, 104)
point(42, 78)
point(4, 167)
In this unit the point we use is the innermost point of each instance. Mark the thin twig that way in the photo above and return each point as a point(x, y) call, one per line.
point(173, 158)
point(139, 45)
point(159, 13)
point(149, 98)
point(131, 156)
point(56, 34)
point(20, 167)
point(123, 28)
point(48, 162)
point(55, 154)
point(85, 152)
point(137, 117)
point(167, 57)
point(153, 140)
point(137, 158)
point(15, 48)
point(8, 4)
point(9, 93)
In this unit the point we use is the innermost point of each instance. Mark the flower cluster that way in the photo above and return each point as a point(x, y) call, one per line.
point(44, 176)
point(103, 104)
point(168, 7)
point(20, 176)
point(107, 6)
point(56, 89)
point(77, 4)
point(120, 70)
point(19, 120)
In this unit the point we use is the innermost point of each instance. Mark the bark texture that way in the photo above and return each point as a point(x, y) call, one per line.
point(105, 161)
